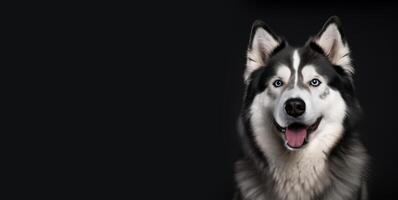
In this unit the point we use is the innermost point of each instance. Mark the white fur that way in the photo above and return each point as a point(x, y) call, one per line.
point(300, 173)
point(296, 63)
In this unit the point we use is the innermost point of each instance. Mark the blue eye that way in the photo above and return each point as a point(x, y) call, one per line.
point(277, 83)
point(315, 82)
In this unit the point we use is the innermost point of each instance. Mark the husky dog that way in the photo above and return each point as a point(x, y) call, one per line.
point(299, 118)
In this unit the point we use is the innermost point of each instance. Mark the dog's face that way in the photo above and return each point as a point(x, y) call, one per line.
point(298, 93)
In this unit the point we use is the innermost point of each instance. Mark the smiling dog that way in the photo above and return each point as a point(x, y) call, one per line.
point(299, 119)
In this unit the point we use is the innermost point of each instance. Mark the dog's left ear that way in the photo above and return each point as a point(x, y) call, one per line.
point(333, 44)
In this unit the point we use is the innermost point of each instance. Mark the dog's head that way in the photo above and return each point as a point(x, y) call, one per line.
point(300, 94)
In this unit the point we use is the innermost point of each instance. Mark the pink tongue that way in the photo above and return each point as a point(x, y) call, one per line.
point(295, 138)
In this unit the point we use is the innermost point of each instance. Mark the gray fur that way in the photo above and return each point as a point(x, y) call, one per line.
point(324, 94)
point(333, 165)
point(344, 178)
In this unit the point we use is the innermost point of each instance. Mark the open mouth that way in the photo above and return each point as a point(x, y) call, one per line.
point(296, 134)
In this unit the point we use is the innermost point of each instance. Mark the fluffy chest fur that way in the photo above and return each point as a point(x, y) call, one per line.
point(340, 176)
point(289, 175)
point(299, 175)
point(299, 117)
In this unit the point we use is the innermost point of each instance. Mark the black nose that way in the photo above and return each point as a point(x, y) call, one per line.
point(295, 107)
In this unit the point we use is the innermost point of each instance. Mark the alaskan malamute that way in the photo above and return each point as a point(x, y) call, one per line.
point(299, 119)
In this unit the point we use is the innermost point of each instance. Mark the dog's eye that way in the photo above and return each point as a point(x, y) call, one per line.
point(277, 83)
point(315, 82)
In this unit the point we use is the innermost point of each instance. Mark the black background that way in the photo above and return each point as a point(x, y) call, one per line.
point(183, 87)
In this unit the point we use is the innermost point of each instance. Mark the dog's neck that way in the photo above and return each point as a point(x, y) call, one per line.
point(294, 176)
point(299, 174)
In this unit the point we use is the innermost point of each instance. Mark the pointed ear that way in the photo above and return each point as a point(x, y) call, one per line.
point(333, 44)
point(262, 43)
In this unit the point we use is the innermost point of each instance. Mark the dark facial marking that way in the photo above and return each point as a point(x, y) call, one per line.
point(256, 85)
point(324, 94)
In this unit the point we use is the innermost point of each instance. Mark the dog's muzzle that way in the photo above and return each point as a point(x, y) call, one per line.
point(296, 134)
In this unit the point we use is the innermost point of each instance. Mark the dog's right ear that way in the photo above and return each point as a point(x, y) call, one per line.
point(261, 45)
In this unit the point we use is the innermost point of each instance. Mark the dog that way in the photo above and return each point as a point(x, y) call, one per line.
point(298, 125)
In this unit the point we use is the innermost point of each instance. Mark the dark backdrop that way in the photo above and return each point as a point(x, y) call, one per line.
point(186, 88)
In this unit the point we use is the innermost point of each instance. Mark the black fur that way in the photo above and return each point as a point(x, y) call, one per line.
point(343, 170)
